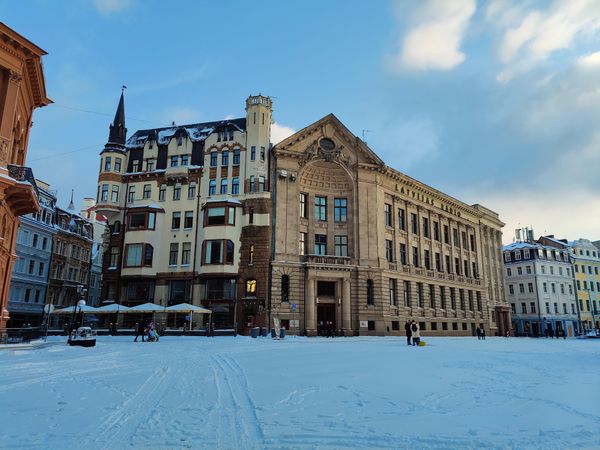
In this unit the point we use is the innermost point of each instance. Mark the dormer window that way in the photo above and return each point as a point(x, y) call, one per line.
point(180, 141)
point(174, 161)
point(150, 165)
point(185, 160)
point(135, 166)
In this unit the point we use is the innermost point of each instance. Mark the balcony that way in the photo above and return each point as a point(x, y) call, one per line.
point(21, 191)
point(327, 260)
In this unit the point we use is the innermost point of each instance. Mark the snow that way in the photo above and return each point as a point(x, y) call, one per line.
point(238, 392)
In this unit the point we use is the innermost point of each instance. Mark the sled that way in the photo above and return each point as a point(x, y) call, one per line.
point(422, 344)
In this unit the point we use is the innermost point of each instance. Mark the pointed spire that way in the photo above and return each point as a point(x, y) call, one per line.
point(71, 207)
point(118, 132)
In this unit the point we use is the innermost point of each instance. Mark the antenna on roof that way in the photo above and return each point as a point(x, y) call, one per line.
point(363, 134)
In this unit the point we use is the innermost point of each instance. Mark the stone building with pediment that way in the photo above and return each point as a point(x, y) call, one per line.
point(359, 248)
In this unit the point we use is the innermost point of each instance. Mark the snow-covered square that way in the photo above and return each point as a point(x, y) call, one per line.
point(238, 392)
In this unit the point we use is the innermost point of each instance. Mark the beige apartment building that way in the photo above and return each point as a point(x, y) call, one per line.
point(188, 209)
point(361, 247)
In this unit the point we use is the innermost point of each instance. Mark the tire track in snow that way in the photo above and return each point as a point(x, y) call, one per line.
point(143, 400)
point(238, 425)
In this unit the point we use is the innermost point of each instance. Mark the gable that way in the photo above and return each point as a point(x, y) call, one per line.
point(328, 139)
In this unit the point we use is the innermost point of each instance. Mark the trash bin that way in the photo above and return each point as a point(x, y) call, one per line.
point(254, 332)
point(282, 333)
point(265, 332)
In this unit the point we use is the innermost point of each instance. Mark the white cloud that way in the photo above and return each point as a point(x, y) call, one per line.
point(433, 42)
point(590, 61)
point(529, 36)
point(566, 213)
point(107, 7)
point(280, 132)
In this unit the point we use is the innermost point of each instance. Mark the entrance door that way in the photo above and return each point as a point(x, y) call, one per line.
point(326, 319)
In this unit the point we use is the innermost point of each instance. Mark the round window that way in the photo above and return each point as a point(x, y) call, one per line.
point(327, 144)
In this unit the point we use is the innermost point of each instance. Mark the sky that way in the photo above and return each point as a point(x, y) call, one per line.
point(492, 102)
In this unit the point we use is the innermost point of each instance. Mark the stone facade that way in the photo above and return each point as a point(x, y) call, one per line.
point(360, 247)
point(22, 89)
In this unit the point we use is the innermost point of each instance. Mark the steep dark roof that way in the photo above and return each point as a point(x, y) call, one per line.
point(196, 132)
point(118, 132)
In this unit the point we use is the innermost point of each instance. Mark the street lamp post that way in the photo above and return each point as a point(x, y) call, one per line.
point(81, 302)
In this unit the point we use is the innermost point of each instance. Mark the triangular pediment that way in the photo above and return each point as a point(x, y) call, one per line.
point(328, 139)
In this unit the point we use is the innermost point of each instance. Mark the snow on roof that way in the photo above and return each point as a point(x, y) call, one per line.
point(146, 205)
point(226, 199)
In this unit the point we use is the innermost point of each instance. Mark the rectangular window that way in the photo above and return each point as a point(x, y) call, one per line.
point(466, 267)
point(341, 245)
point(223, 186)
point(216, 215)
point(455, 239)
point(147, 192)
point(186, 250)
point(36, 238)
point(213, 159)
point(114, 257)
point(185, 160)
point(452, 298)
point(419, 295)
point(464, 240)
point(225, 158)
point(176, 220)
point(457, 266)
point(448, 265)
point(149, 165)
point(104, 194)
point(427, 259)
point(212, 187)
point(177, 191)
point(188, 220)
point(403, 254)
point(173, 253)
point(261, 184)
point(262, 153)
point(389, 250)
point(415, 260)
point(432, 296)
point(191, 191)
point(131, 194)
point(162, 192)
point(320, 244)
point(446, 234)
point(107, 164)
point(41, 269)
point(236, 156)
point(406, 293)
point(442, 297)
point(114, 194)
point(414, 221)
point(393, 294)
point(133, 255)
point(532, 306)
point(472, 238)
point(530, 287)
point(438, 262)
point(436, 231)
point(340, 210)
point(117, 164)
point(426, 227)
point(302, 244)
point(135, 165)
point(218, 252)
point(401, 219)
point(235, 186)
point(44, 243)
point(174, 161)
point(478, 301)
point(387, 210)
point(252, 153)
point(521, 288)
point(474, 271)
point(320, 208)
point(303, 202)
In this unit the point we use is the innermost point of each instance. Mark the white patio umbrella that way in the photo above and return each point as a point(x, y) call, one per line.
point(186, 307)
point(69, 309)
point(112, 308)
point(146, 307)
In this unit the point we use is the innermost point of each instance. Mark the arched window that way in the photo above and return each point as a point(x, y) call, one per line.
point(285, 288)
point(116, 227)
point(370, 299)
point(251, 287)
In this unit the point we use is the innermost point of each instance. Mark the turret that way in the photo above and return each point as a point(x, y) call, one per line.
point(259, 111)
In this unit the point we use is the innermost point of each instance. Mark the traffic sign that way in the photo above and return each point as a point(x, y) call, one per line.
point(293, 307)
point(49, 308)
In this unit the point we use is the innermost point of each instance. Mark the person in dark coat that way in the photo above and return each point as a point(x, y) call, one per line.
point(482, 333)
point(478, 331)
point(408, 332)
point(140, 330)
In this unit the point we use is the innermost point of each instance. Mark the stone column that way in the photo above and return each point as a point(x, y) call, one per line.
point(309, 307)
point(346, 313)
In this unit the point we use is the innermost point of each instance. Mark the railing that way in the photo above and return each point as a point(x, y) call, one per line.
point(22, 173)
point(325, 259)
point(20, 335)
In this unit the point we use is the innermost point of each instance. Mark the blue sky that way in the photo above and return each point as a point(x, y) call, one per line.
point(494, 102)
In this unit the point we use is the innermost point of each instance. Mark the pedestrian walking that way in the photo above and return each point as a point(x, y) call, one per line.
point(415, 332)
point(408, 332)
point(483, 333)
point(140, 330)
point(478, 331)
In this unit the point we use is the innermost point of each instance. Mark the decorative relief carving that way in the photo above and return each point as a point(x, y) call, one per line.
point(15, 77)
point(3, 150)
